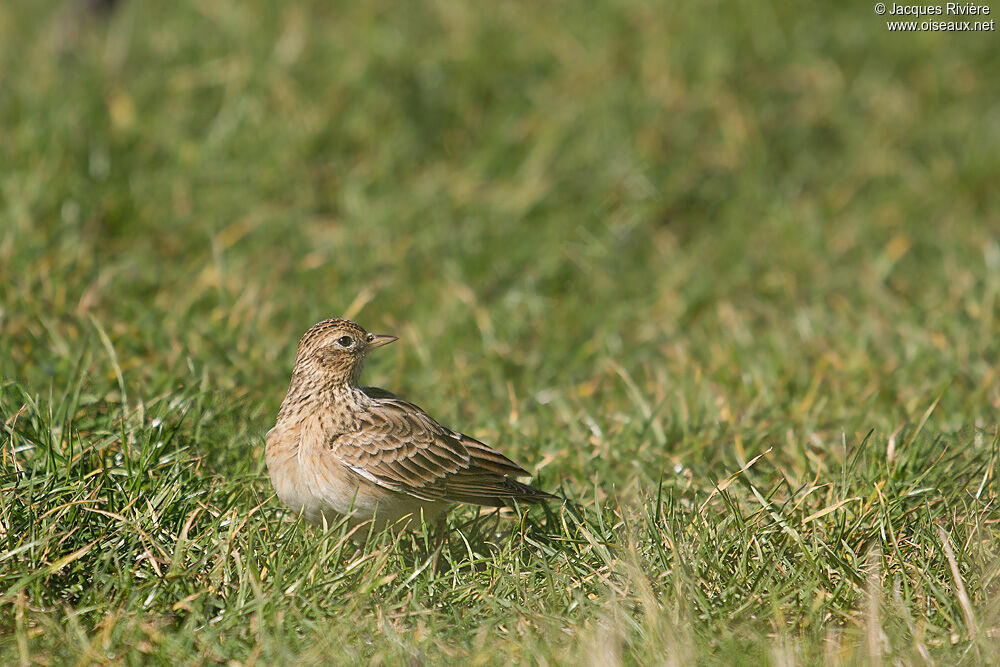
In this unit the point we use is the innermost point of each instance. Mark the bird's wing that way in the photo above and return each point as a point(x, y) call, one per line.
point(400, 447)
point(378, 392)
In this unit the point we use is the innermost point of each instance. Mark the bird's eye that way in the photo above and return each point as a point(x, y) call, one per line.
point(345, 341)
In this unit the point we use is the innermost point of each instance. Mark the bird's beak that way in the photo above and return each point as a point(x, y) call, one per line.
point(379, 340)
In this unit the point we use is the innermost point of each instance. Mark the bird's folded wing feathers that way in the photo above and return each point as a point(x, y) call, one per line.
point(400, 447)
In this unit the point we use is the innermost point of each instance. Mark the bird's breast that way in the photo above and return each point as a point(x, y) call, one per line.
point(311, 480)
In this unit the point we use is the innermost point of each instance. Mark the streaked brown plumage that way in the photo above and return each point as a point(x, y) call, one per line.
point(341, 449)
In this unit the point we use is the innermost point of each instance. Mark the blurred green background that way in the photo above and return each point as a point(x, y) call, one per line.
point(632, 243)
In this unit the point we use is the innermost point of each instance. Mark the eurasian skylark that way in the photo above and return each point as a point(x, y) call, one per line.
point(341, 449)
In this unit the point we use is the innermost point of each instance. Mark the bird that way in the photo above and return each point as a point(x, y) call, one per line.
point(340, 450)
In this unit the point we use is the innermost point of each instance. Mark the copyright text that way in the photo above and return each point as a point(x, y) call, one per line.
point(976, 14)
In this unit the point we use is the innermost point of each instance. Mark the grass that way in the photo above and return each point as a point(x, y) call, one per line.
point(728, 279)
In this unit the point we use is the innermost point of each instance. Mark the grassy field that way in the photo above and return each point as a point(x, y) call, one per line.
point(727, 277)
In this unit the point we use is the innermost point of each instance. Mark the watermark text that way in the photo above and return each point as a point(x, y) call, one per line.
point(947, 17)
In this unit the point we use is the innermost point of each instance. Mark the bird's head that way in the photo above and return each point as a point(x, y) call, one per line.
point(333, 351)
